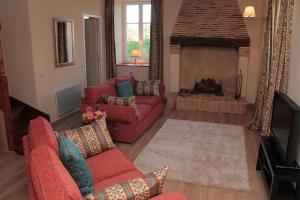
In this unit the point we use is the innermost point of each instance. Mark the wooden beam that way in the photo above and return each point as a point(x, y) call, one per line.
point(209, 42)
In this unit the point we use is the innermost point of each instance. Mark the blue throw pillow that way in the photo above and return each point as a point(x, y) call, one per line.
point(76, 165)
point(124, 89)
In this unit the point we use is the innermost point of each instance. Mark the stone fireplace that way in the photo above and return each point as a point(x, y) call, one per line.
point(210, 40)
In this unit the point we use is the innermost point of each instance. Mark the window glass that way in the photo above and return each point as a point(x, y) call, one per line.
point(146, 13)
point(137, 31)
point(146, 41)
point(132, 39)
point(132, 12)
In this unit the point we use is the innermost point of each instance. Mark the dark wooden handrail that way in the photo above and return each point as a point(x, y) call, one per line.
point(5, 103)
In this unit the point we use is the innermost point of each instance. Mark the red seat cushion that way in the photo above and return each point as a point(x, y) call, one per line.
point(149, 100)
point(94, 94)
point(127, 77)
point(116, 179)
point(144, 111)
point(109, 164)
point(50, 178)
point(41, 133)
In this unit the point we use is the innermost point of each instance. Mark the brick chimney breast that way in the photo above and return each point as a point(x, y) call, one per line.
point(210, 23)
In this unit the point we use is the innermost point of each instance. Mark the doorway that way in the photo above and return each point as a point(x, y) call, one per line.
point(92, 40)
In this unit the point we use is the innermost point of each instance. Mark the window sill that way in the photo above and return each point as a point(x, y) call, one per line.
point(133, 65)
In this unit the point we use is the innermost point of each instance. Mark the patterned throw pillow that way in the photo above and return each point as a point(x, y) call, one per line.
point(90, 139)
point(122, 101)
point(147, 88)
point(141, 188)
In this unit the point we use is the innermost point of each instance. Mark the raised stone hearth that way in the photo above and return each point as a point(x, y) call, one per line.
point(208, 103)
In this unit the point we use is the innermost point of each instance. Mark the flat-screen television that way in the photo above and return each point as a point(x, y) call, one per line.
point(285, 127)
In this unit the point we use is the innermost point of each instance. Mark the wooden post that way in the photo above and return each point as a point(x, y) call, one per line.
point(5, 103)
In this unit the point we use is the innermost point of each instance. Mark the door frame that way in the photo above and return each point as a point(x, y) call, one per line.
point(100, 51)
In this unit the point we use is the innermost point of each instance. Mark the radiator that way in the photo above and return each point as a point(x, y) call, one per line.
point(68, 99)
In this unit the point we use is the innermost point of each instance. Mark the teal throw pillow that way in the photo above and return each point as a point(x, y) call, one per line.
point(124, 89)
point(74, 162)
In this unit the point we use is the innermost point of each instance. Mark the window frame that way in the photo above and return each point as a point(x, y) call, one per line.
point(141, 23)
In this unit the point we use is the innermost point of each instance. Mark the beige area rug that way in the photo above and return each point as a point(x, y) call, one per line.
point(198, 153)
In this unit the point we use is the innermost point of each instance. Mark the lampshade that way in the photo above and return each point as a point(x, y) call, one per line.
point(135, 53)
point(249, 12)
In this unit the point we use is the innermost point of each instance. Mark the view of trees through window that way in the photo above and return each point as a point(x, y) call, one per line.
point(138, 19)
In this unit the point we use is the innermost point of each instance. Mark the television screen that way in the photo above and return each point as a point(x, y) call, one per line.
point(282, 121)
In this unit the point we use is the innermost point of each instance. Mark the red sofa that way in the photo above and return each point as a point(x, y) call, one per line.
point(48, 179)
point(128, 127)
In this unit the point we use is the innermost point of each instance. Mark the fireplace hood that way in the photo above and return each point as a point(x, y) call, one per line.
point(217, 23)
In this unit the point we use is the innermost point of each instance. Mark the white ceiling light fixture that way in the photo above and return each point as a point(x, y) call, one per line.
point(249, 12)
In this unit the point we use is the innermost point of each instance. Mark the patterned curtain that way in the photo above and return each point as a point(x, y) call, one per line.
point(156, 69)
point(111, 71)
point(275, 64)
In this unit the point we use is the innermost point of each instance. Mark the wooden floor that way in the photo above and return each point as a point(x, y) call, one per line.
point(13, 177)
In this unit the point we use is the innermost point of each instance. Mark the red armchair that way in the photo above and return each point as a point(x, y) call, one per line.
point(128, 127)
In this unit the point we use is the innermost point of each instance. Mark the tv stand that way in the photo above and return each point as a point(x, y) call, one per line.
point(283, 181)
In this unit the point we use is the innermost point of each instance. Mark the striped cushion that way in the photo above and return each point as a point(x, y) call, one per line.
point(141, 188)
point(122, 101)
point(147, 88)
point(90, 139)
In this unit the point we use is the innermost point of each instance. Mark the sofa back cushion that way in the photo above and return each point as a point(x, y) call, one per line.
point(110, 81)
point(94, 94)
point(127, 77)
point(50, 178)
point(41, 133)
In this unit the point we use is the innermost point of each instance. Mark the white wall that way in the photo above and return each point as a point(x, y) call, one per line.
point(29, 48)
point(171, 11)
point(49, 79)
point(255, 29)
point(140, 73)
point(294, 71)
point(17, 50)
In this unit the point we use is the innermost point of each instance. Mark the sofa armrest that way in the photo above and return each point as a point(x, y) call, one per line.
point(162, 89)
point(170, 196)
point(119, 113)
point(83, 100)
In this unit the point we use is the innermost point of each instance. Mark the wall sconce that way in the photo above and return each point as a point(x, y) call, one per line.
point(249, 12)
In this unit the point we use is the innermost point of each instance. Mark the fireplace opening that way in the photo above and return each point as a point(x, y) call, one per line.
point(209, 70)
point(208, 86)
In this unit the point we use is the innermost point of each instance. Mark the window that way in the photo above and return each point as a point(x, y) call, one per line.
point(137, 30)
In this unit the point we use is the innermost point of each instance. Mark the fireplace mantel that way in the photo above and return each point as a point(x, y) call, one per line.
point(209, 42)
